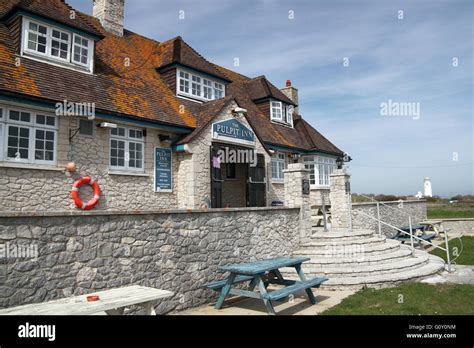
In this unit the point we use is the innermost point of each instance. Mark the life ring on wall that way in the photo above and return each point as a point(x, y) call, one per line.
point(86, 180)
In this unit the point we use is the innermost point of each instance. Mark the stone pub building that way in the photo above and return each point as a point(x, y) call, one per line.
point(157, 125)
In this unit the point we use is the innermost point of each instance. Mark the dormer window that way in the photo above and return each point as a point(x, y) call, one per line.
point(57, 45)
point(276, 111)
point(281, 113)
point(198, 86)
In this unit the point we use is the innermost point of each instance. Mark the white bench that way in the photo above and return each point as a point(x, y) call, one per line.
point(112, 302)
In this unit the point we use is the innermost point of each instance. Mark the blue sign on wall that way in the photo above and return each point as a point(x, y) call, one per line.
point(163, 170)
point(234, 131)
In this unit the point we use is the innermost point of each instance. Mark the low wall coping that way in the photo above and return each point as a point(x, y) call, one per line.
point(455, 219)
point(16, 214)
point(391, 202)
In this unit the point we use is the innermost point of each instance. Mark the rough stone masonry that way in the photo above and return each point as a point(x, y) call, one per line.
point(175, 250)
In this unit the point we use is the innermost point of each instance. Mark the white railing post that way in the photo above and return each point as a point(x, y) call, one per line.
point(378, 219)
point(411, 236)
point(447, 250)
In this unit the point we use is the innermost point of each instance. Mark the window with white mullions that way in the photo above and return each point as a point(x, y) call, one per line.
point(44, 145)
point(199, 87)
point(278, 165)
point(60, 44)
point(207, 89)
point(276, 111)
point(18, 143)
point(196, 86)
point(28, 137)
point(57, 44)
point(37, 37)
point(81, 50)
point(127, 149)
point(183, 82)
point(218, 90)
point(321, 167)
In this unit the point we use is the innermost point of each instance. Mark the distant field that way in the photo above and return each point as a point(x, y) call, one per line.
point(446, 211)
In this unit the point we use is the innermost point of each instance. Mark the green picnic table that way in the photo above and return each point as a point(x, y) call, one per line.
point(259, 274)
point(417, 230)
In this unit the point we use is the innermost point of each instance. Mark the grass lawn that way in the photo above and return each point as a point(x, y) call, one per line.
point(466, 255)
point(418, 298)
point(446, 211)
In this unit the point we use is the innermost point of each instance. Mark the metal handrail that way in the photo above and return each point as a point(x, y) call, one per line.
point(413, 236)
point(388, 206)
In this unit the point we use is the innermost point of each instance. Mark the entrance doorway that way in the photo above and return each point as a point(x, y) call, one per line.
point(237, 181)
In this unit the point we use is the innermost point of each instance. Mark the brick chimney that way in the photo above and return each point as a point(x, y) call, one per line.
point(292, 93)
point(110, 13)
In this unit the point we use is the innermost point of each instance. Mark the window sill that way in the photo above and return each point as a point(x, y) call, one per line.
point(282, 123)
point(320, 188)
point(58, 63)
point(116, 172)
point(279, 182)
point(31, 166)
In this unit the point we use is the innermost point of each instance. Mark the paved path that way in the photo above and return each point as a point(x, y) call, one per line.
point(298, 306)
point(461, 275)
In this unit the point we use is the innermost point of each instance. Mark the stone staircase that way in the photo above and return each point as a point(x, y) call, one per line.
point(361, 258)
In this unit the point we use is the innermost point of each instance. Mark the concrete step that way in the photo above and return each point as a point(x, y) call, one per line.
point(357, 270)
point(329, 236)
point(348, 250)
point(379, 280)
point(314, 243)
point(370, 259)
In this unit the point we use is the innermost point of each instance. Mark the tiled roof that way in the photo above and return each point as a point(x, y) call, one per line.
point(57, 10)
point(261, 88)
point(138, 90)
point(176, 51)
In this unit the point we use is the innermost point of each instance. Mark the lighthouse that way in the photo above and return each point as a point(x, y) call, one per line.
point(428, 192)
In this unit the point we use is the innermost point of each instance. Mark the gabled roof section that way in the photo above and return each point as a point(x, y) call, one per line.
point(208, 112)
point(260, 88)
point(56, 10)
point(177, 51)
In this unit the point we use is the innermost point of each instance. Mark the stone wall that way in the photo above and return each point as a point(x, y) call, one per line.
point(28, 187)
point(395, 213)
point(464, 226)
point(175, 250)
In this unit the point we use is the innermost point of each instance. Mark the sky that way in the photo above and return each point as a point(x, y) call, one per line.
point(348, 58)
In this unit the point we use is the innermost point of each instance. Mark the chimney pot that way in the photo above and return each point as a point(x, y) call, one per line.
point(288, 83)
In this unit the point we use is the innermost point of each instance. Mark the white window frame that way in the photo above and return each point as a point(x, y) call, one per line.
point(90, 50)
point(277, 105)
point(289, 115)
point(5, 122)
point(278, 158)
point(127, 139)
point(69, 62)
point(324, 164)
point(213, 86)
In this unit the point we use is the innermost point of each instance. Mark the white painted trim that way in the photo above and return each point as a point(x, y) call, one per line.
point(30, 166)
point(46, 57)
point(122, 173)
point(32, 126)
point(202, 77)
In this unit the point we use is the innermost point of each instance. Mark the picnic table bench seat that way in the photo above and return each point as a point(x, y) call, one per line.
point(292, 289)
point(260, 274)
point(220, 283)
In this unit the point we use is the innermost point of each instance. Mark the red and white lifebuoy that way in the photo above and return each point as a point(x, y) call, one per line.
point(86, 180)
